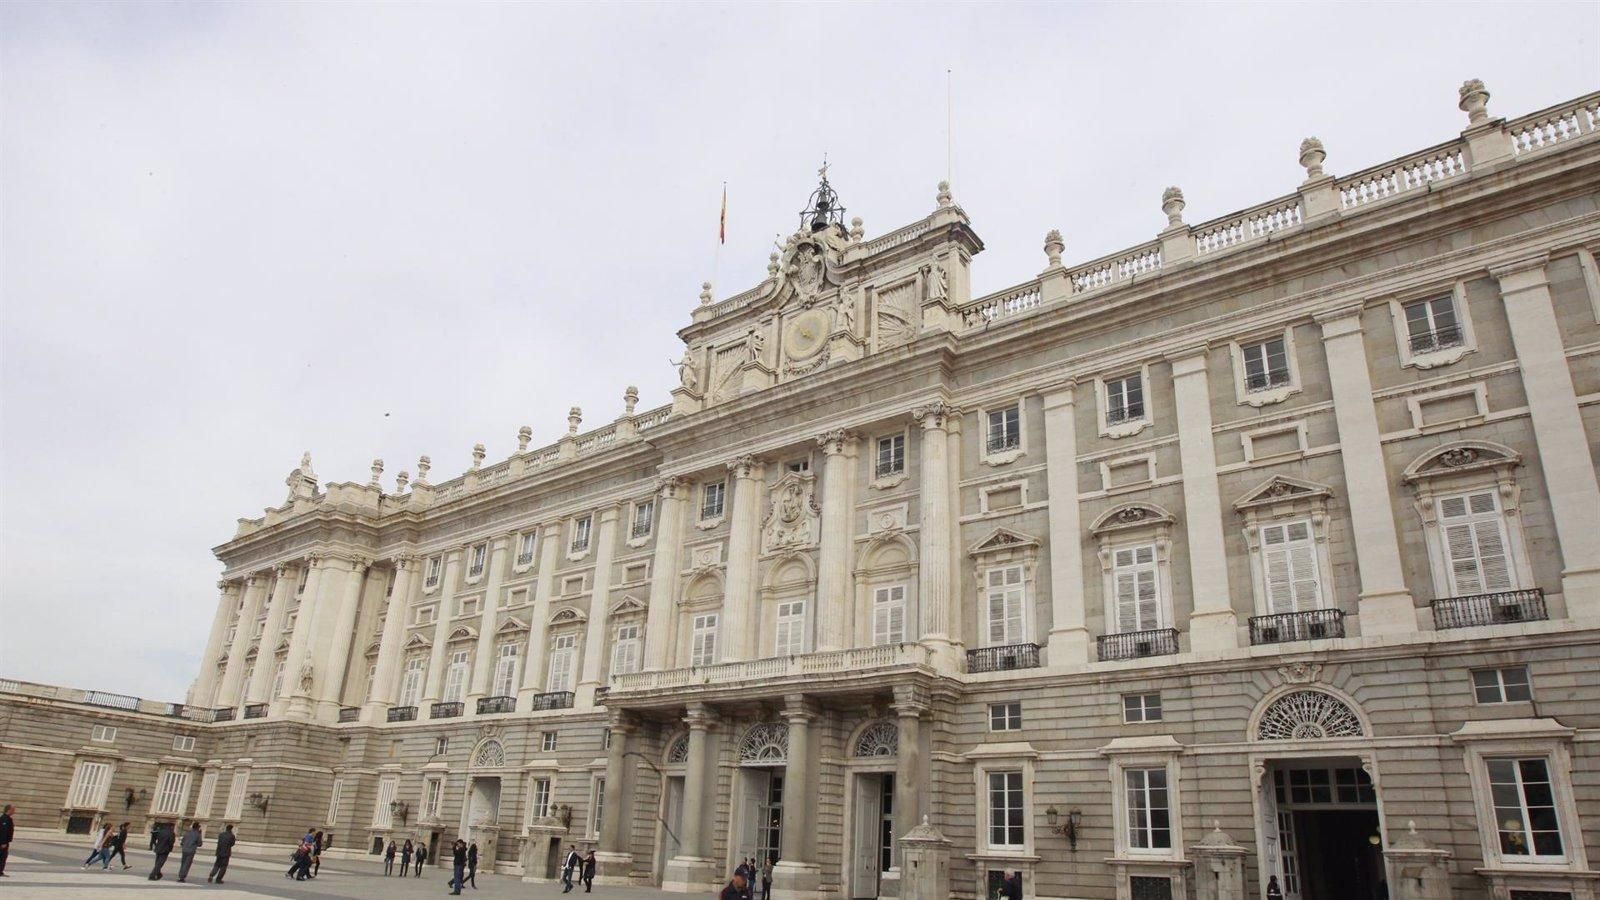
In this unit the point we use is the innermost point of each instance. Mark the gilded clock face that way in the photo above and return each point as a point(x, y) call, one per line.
point(806, 334)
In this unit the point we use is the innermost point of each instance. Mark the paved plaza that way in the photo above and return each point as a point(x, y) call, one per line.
point(52, 870)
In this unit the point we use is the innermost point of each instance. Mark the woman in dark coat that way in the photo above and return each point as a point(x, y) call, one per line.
point(388, 859)
point(405, 859)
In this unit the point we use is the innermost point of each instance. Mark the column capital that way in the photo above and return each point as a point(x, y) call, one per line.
point(316, 559)
point(1062, 393)
point(910, 701)
point(798, 708)
point(1521, 275)
point(282, 570)
point(228, 584)
point(745, 468)
point(554, 524)
point(620, 722)
point(673, 487)
point(608, 512)
point(700, 717)
point(935, 416)
point(835, 442)
point(403, 561)
point(1342, 321)
point(1189, 360)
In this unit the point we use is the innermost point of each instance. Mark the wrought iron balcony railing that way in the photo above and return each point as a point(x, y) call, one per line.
point(1311, 625)
point(402, 714)
point(999, 443)
point(1000, 659)
point(1138, 644)
point(551, 700)
point(1265, 381)
point(224, 714)
point(1133, 412)
point(447, 710)
point(525, 559)
point(255, 711)
point(640, 530)
point(1440, 338)
point(488, 705)
point(350, 714)
point(1490, 609)
point(475, 570)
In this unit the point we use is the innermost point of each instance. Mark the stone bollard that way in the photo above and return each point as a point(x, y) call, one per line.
point(924, 864)
point(1417, 871)
point(1218, 866)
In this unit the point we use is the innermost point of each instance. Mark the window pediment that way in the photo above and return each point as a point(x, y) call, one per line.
point(627, 606)
point(1129, 516)
point(463, 633)
point(511, 625)
point(1462, 458)
point(1004, 540)
point(1283, 489)
point(417, 640)
point(567, 615)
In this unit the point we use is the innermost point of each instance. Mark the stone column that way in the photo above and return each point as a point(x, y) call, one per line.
point(539, 619)
point(613, 859)
point(1069, 633)
point(1564, 456)
point(744, 545)
point(267, 650)
point(694, 870)
point(483, 660)
point(433, 688)
point(835, 587)
point(797, 874)
point(205, 683)
point(658, 644)
point(933, 569)
point(391, 646)
point(1212, 625)
point(910, 781)
point(300, 652)
point(230, 692)
point(597, 635)
point(1385, 604)
point(335, 664)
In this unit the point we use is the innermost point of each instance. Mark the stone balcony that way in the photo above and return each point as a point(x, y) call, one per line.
point(774, 674)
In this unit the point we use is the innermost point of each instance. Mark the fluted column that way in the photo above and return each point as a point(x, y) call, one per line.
point(441, 626)
point(533, 674)
point(300, 654)
point(266, 652)
point(660, 624)
point(1212, 624)
point(744, 546)
point(910, 781)
point(483, 660)
point(835, 589)
point(1069, 632)
point(231, 691)
point(933, 566)
point(613, 857)
point(335, 663)
point(391, 646)
point(597, 634)
point(797, 874)
point(205, 682)
point(693, 870)
point(1385, 604)
point(1564, 455)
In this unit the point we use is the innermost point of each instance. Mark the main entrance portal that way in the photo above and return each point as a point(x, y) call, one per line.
point(1323, 831)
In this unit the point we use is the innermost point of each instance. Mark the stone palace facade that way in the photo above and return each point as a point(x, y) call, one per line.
point(1267, 551)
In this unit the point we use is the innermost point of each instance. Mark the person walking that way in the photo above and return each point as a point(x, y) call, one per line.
point(193, 840)
point(163, 848)
point(118, 847)
point(317, 845)
point(737, 889)
point(100, 838)
point(388, 859)
point(572, 862)
point(225, 842)
point(588, 872)
point(422, 857)
point(405, 858)
point(766, 880)
point(8, 827)
point(1011, 886)
point(458, 865)
point(472, 865)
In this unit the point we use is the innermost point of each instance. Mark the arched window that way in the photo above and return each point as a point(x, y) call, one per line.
point(1308, 715)
point(765, 744)
point(877, 739)
point(490, 754)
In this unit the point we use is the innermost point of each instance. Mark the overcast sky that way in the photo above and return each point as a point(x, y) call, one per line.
point(234, 232)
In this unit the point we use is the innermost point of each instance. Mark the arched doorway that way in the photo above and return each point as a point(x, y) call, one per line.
point(763, 754)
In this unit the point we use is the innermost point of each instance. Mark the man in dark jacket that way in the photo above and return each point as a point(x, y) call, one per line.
point(458, 865)
point(225, 842)
point(8, 827)
point(737, 889)
point(163, 848)
point(192, 841)
point(568, 867)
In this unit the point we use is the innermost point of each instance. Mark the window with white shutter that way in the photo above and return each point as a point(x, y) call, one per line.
point(333, 801)
point(790, 639)
point(1474, 530)
point(90, 782)
point(171, 793)
point(505, 671)
point(455, 677)
point(208, 796)
point(625, 650)
point(889, 615)
point(1289, 567)
point(236, 789)
point(562, 647)
point(411, 682)
point(703, 640)
point(387, 787)
point(1138, 588)
point(1004, 606)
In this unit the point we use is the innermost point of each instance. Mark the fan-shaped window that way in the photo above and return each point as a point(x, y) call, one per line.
point(765, 744)
point(878, 739)
point(1307, 715)
point(490, 754)
point(678, 753)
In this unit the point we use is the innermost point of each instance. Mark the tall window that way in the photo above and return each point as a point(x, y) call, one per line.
point(1432, 324)
point(1004, 429)
point(435, 571)
point(89, 785)
point(1006, 813)
point(541, 798)
point(388, 786)
point(711, 497)
point(1125, 400)
point(455, 677)
point(598, 806)
point(1525, 808)
point(1475, 542)
point(236, 789)
point(644, 513)
point(432, 794)
point(1003, 603)
point(562, 648)
point(305, 575)
point(277, 679)
point(1266, 365)
point(703, 640)
point(171, 792)
point(1149, 819)
point(525, 548)
point(1289, 567)
point(790, 639)
point(580, 533)
point(333, 801)
point(891, 456)
point(208, 795)
point(411, 681)
point(505, 671)
point(889, 615)
point(1138, 599)
point(480, 556)
point(625, 650)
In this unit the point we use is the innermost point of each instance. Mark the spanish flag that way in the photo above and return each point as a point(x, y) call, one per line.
point(722, 225)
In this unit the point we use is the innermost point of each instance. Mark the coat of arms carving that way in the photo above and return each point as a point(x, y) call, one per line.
point(794, 520)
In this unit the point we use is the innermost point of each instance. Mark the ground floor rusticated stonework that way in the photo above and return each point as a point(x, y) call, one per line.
point(1355, 769)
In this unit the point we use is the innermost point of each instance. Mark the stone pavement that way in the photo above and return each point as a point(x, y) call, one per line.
point(38, 869)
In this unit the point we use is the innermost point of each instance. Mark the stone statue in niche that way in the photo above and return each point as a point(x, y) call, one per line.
point(794, 519)
point(938, 282)
point(847, 311)
point(756, 344)
point(306, 677)
point(686, 374)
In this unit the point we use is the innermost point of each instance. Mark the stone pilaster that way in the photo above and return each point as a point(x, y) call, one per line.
point(933, 570)
point(744, 544)
point(533, 674)
point(231, 691)
point(910, 779)
point(797, 876)
point(293, 697)
point(658, 643)
point(1385, 604)
point(277, 611)
point(1212, 625)
point(335, 662)
point(1069, 632)
point(694, 871)
point(835, 587)
point(203, 690)
point(483, 660)
point(597, 638)
point(433, 688)
point(613, 860)
point(391, 646)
